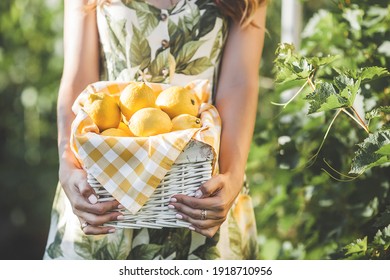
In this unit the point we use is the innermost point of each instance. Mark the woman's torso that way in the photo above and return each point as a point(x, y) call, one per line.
point(176, 45)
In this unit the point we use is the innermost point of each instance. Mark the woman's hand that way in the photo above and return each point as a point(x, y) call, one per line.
point(83, 199)
point(209, 208)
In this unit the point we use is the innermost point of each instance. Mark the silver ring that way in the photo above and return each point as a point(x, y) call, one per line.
point(203, 214)
point(84, 225)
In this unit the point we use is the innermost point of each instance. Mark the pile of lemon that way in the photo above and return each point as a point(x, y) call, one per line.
point(140, 111)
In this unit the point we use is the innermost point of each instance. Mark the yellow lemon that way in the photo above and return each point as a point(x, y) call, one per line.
point(156, 88)
point(125, 128)
point(115, 132)
point(185, 121)
point(150, 121)
point(134, 97)
point(103, 110)
point(177, 100)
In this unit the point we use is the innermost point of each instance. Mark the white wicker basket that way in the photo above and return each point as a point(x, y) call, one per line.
point(192, 168)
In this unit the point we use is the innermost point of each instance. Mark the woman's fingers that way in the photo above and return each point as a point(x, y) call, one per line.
point(98, 220)
point(197, 214)
point(86, 190)
point(210, 187)
point(93, 224)
point(84, 199)
point(185, 203)
point(95, 230)
point(207, 226)
point(208, 209)
point(204, 214)
point(80, 204)
point(208, 232)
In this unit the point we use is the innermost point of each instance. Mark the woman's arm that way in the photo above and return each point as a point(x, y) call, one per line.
point(81, 67)
point(236, 101)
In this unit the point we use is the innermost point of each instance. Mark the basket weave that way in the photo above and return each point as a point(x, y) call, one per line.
point(192, 168)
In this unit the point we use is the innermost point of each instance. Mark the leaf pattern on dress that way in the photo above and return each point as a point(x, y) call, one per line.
point(159, 68)
point(119, 246)
point(186, 53)
point(144, 252)
point(54, 250)
point(116, 55)
point(146, 15)
point(209, 250)
point(140, 52)
point(234, 236)
point(92, 248)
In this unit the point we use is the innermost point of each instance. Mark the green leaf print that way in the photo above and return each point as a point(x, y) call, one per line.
point(202, 4)
point(250, 250)
point(209, 250)
point(234, 236)
point(191, 19)
point(140, 51)
point(92, 247)
point(54, 250)
point(117, 33)
point(196, 66)
point(187, 52)
point(148, 17)
point(116, 55)
point(217, 45)
point(177, 38)
point(177, 242)
point(158, 66)
point(119, 244)
point(207, 22)
point(145, 252)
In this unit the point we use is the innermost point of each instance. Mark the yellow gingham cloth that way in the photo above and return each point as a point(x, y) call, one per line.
point(130, 168)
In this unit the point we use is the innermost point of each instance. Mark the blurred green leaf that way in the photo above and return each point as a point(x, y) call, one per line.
point(377, 112)
point(325, 98)
point(382, 238)
point(357, 247)
point(367, 155)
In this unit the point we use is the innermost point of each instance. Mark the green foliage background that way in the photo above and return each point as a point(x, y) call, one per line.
point(302, 213)
point(30, 71)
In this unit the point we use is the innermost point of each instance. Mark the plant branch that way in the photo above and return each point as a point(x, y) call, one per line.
point(313, 87)
point(326, 135)
point(360, 119)
point(292, 98)
point(350, 178)
point(362, 124)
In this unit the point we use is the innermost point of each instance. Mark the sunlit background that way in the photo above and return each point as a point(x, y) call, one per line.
point(301, 215)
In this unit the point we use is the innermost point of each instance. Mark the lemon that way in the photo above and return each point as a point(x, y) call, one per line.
point(185, 121)
point(115, 132)
point(134, 97)
point(177, 100)
point(103, 110)
point(149, 122)
point(125, 128)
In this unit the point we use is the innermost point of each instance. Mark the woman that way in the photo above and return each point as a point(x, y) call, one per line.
point(138, 40)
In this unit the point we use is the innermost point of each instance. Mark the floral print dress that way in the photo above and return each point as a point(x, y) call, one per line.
point(176, 45)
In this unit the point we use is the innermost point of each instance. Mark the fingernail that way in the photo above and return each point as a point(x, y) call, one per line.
point(111, 230)
point(120, 206)
point(170, 206)
point(173, 199)
point(120, 217)
point(180, 217)
point(92, 199)
point(191, 228)
point(198, 194)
